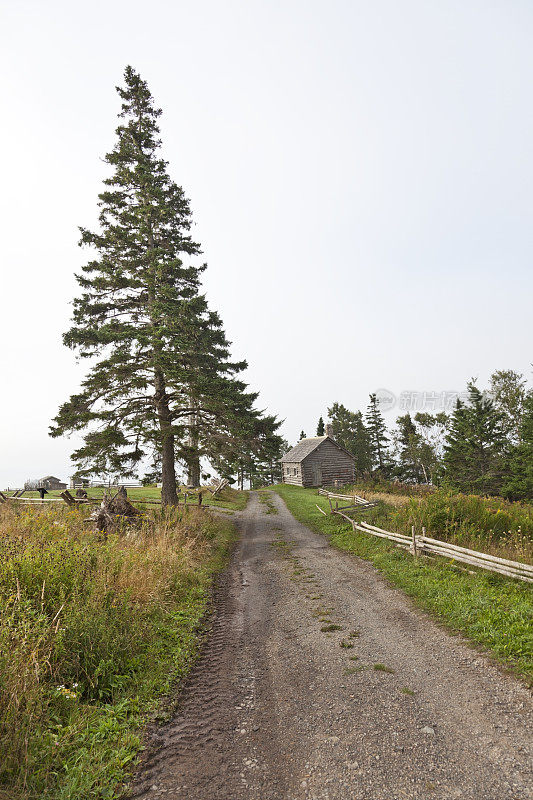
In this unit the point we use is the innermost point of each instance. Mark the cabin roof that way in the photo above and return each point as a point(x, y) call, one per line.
point(305, 447)
point(51, 478)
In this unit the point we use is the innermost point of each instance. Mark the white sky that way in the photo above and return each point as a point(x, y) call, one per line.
point(360, 175)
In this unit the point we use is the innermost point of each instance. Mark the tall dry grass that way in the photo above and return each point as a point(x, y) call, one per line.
point(489, 524)
point(394, 500)
point(80, 620)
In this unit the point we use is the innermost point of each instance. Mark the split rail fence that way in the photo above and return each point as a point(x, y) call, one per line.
point(70, 500)
point(64, 497)
point(427, 546)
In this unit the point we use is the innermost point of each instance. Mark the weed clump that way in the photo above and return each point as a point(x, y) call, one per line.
point(383, 668)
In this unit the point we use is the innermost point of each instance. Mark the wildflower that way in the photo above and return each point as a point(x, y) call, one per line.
point(65, 692)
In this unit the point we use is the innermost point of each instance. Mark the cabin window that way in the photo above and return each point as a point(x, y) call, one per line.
point(291, 471)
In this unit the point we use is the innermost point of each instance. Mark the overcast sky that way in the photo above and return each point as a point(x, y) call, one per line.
point(360, 175)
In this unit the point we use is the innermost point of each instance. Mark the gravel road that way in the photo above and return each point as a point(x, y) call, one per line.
point(286, 702)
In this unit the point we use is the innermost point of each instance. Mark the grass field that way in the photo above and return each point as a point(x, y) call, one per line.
point(92, 633)
point(229, 498)
point(493, 611)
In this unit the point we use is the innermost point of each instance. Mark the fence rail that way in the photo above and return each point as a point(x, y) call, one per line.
point(105, 485)
point(425, 545)
point(357, 500)
point(70, 500)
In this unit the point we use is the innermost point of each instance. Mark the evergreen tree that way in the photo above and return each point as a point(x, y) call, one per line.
point(320, 428)
point(518, 484)
point(350, 432)
point(408, 442)
point(160, 371)
point(214, 408)
point(266, 467)
point(476, 445)
point(254, 453)
point(377, 433)
point(303, 435)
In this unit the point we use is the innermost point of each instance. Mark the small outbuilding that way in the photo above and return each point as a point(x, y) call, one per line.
point(51, 482)
point(318, 461)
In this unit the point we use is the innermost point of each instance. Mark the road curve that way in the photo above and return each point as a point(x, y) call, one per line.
point(285, 702)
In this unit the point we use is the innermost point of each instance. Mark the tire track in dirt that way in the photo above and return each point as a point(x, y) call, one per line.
point(212, 747)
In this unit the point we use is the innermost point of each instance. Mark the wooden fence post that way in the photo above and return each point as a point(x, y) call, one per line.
point(67, 497)
point(421, 546)
point(414, 540)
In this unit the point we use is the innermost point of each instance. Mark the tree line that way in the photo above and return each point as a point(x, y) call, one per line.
point(484, 446)
point(161, 385)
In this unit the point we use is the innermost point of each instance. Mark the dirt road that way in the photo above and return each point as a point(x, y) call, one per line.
point(287, 703)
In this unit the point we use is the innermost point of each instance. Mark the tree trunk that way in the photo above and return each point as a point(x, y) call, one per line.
point(193, 466)
point(169, 495)
point(194, 471)
point(380, 460)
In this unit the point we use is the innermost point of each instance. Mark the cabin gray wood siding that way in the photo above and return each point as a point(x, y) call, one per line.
point(322, 467)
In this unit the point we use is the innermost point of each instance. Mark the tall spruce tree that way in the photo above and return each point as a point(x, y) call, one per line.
point(350, 432)
point(160, 377)
point(253, 453)
point(476, 446)
point(320, 428)
point(377, 434)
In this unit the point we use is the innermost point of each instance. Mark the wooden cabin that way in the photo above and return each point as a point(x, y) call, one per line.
point(318, 461)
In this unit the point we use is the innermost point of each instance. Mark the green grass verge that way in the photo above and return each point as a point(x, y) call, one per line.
point(493, 611)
